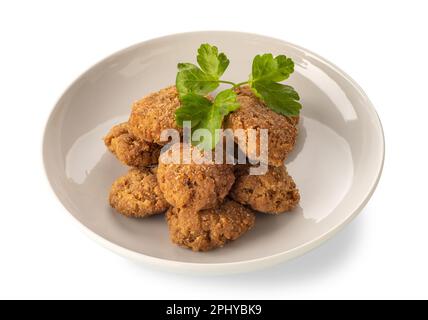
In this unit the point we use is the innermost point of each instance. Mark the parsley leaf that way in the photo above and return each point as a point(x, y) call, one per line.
point(205, 78)
point(226, 102)
point(278, 97)
point(266, 67)
point(210, 61)
point(191, 79)
point(267, 71)
point(205, 114)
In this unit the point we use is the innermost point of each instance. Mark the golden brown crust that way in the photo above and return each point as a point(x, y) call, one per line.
point(137, 194)
point(275, 192)
point(209, 229)
point(130, 150)
point(254, 114)
point(195, 186)
point(154, 113)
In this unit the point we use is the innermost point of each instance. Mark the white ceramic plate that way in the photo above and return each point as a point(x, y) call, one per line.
point(336, 164)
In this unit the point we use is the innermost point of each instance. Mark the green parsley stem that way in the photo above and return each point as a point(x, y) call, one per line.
point(239, 84)
point(234, 85)
point(227, 82)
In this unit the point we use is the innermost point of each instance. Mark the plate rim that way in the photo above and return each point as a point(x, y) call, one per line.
point(221, 267)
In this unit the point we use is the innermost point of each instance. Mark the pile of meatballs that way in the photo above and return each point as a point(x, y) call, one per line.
point(206, 205)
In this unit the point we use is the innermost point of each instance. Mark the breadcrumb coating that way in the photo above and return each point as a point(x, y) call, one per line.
point(274, 192)
point(154, 113)
point(209, 229)
point(194, 186)
point(254, 114)
point(137, 194)
point(130, 150)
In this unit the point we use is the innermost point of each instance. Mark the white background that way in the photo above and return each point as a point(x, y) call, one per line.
point(46, 44)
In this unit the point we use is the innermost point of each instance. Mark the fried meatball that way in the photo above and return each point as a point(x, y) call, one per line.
point(254, 114)
point(194, 186)
point(137, 194)
point(209, 229)
point(130, 150)
point(154, 113)
point(275, 192)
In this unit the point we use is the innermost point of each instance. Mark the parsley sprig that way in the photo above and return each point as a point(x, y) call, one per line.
point(195, 82)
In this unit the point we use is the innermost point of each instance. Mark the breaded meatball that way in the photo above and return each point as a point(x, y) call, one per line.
point(137, 194)
point(209, 229)
point(130, 150)
point(194, 186)
point(274, 192)
point(254, 114)
point(154, 113)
